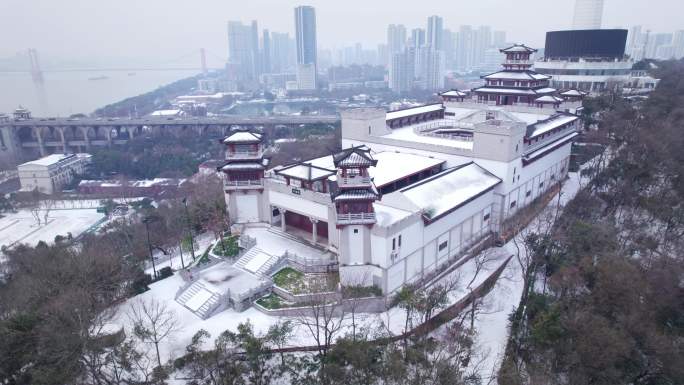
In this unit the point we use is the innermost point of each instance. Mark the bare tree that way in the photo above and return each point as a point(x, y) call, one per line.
point(322, 318)
point(153, 322)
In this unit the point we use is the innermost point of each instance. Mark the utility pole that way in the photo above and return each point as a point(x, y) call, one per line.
point(146, 221)
point(187, 219)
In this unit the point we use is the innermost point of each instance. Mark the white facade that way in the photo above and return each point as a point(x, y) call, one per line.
point(48, 174)
point(586, 74)
point(306, 76)
point(588, 14)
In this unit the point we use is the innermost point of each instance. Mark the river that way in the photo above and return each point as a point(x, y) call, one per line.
point(66, 93)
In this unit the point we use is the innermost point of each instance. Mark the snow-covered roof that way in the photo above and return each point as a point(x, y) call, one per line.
point(243, 166)
point(518, 48)
point(539, 152)
point(356, 195)
point(354, 157)
point(549, 99)
point(391, 166)
point(243, 137)
point(454, 93)
point(305, 171)
point(55, 159)
point(450, 189)
point(517, 91)
point(386, 216)
point(413, 111)
point(573, 93)
point(517, 75)
point(553, 122)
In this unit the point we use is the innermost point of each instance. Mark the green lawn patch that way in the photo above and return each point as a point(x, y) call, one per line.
point(290, 280)
point(231, 247)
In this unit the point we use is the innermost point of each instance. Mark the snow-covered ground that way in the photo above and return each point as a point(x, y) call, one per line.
point(492, 323)
point(21, 227)
point(393, 320)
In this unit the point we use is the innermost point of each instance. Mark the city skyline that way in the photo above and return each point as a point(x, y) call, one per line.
point(67, 32)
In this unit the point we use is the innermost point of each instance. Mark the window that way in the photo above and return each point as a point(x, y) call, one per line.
point(443, 245)
point(394, 244)
point(528, 193)
point(356, 231)
point(485, 218)
point(513, 204)
point(541, 184)
point(400, 241)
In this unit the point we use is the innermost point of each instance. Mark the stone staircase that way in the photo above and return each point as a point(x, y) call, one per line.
point(257, 261)
point(199, 299)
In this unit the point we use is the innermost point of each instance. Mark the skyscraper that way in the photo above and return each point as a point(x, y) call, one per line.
point(434, 32)
point(243, 52)
point(305, 35)
point(281, 52)
point(588, 14)
point(418, 37)
point(396, 38)
point(401, 70)
point(266, 52)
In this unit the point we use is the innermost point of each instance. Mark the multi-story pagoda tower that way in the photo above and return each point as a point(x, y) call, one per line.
point(353, 200)
point(517, 83)
point(243, 176)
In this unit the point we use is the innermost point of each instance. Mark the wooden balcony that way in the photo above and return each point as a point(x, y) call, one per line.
point(244, 155)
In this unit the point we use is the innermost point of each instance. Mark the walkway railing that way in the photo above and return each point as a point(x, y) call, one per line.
point(242, 183)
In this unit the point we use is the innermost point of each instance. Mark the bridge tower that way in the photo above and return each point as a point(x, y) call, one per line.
point(36, 72)
point(243, 176)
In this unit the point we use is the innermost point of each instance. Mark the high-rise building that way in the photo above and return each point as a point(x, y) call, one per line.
point(482, 41)
point(282, 54)
point(418, 37)
point(678, 44)
point(396, 38)
point(305, 34)
point(266, 52)
point(402, 71)
point(449, 48)
point(464, 48)
point(588, 14)
point(433, 68)
point(243, 52)
point(434, 32)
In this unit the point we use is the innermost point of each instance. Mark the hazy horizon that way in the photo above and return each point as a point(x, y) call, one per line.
point(168, 29)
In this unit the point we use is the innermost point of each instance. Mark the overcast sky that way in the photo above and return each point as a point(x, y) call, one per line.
point(168, 29)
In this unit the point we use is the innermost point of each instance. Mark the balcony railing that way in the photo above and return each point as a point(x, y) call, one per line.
point(242, 183)
point(356, 218)
point(244, 154)
point(354, 180)
point(517, 62)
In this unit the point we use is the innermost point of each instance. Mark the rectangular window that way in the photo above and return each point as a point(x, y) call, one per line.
point(541, 185)
point(485, 218)
point(528, 193)
point(400, 241)
point(394, 244)
point(356, 231)
point(443, 245)
point(513, 204)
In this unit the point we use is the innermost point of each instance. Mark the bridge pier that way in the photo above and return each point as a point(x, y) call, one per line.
point(65, 144)
point(86, 138)
point(38, 133)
